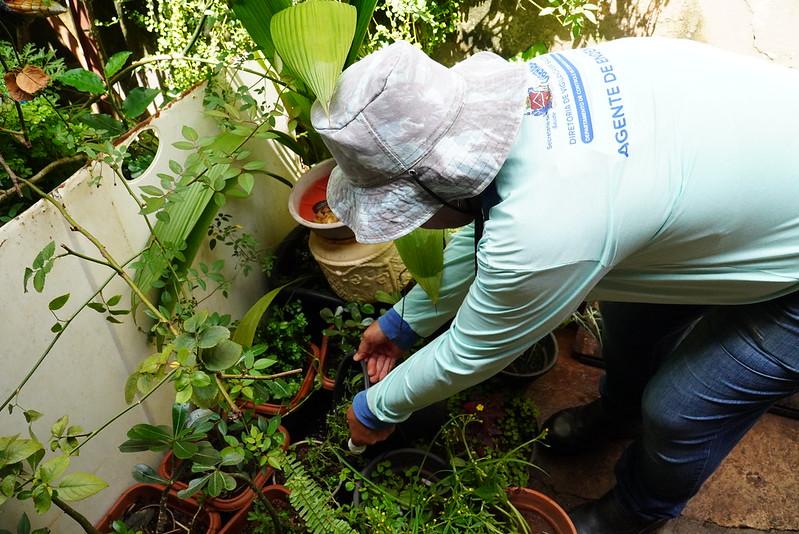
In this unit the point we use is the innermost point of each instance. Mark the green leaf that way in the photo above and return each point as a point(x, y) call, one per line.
point(131, 387)
point(223, 356)
point(365, 10)
point(255, 16)
point(422, 252)
point(194, 486)
point(184, 394)
point(13, 449)
point(83, 80)
point(38, 281)
point(58, 302)
point(245, 332)
point(32, 415)
point(183, 145)
point(190, 133)
point(210, 337)
point(154, 434)
point(28, 273)
point(113, 301)
point(41, 498)
point(147, 475)
point(53, 468)
point(79, 485)
point(23, 525)
point(315, 52)
point(116, 62)
point(180, 417)
point(137, 101)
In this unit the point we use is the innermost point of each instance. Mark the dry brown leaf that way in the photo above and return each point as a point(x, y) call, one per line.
point(32, 79)
point(40, 8)
point(13, 89)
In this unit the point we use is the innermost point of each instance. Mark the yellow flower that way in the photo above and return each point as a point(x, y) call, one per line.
point(480, 407)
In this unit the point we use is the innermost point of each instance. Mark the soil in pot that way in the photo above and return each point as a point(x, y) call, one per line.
point(138, 509)
point(535, 361)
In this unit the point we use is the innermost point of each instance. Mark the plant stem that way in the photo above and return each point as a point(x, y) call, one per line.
point(260, 377)
point(123, 412)
point(236, 410)
point(58, 336)
point(77, 516)
point(262, 498)
point(104, 252)
point(12, 175)
point(71, 252)
point(44, 172)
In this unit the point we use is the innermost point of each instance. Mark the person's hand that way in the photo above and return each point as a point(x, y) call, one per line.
point(380, 353)
point(362, 435)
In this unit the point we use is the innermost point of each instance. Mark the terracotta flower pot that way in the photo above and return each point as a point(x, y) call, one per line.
point(223, 504)
point(143, 494)
point(328, 383)
point(239, 521)
point(532, 502)
point(305, 389)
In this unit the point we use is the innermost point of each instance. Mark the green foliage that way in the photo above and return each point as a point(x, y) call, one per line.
point(422, 22)
point(422, 252)
point(175, 23)
point(571, 14)
point(24, 527)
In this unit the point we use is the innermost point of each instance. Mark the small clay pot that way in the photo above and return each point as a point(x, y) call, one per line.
point(305, 185)
point(151, 493)
point(305, 389)
point(533, 502)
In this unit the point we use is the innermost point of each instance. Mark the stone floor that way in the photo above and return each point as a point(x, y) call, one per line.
point(755, 490)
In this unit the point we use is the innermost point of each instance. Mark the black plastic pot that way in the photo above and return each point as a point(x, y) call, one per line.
point(432, 468)
point(534, 362)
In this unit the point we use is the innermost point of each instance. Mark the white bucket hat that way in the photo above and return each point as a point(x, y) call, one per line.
point(398, 117)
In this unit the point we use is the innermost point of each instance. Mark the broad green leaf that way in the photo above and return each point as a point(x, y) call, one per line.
point(231, 457)
point(137, 101)
point(422, 252)
point(13, 449)
point(223, 356)
point(194, 486)
point(23, 525)
point(42, 499)
point(79, 485)
point(365, 10)
point(147, 475)
point(58, 302)
point(53, 468)
point(83, 80)
point(155, 434)
point(255, 16)
point(189, 133)
point(315, 52)
point(210, 337)
point(116, 62)
point(245, 332)
point(184, 449)
point(180, 417)
point(32, 415)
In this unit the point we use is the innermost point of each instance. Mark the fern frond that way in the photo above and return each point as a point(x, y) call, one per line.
point(311, 501)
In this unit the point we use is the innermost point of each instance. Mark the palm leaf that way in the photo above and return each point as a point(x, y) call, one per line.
point(422, 252)
point(255, 16)
point(313, 39)
point(245, 332)
point(366, 9)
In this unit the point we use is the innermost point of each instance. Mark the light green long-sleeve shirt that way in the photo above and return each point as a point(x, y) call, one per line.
point(645, 170)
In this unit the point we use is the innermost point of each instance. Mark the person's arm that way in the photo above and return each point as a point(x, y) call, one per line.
point(415, 315)
point(503, 314)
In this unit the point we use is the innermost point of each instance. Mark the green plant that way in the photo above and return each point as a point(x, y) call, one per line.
point(422, 252)
point(426, 24)
point(24, 527)
point(345, 326)
point(571, 14)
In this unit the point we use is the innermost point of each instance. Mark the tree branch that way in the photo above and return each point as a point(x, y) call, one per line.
point(42, 173)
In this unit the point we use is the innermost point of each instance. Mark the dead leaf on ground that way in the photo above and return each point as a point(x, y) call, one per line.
point(35, 8)
point(32, 79)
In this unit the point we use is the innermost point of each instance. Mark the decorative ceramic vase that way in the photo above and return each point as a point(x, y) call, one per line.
point(356, 272)
point(308, 198)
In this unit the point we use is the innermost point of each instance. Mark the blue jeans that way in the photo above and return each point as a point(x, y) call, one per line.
point(699, 377)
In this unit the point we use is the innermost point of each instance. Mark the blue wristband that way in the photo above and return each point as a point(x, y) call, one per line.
point(397, 330)
point(364, 415)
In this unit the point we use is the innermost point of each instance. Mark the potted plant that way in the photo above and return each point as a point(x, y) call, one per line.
point(257, 515)
point(154, 509)
point(255, 439)
point(277, 370)
point(588, 336)
point(533, 362)
point(341, 338)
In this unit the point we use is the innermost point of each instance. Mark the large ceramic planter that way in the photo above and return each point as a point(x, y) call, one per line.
point(150, 494)
point(306, 388)
point(239, 521)
point(356, 272)
point(223, 504)
point(535, 361)
point(309, 195)
point(537, 507)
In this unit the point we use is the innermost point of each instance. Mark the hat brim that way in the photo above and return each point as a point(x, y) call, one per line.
point(465, 159)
